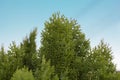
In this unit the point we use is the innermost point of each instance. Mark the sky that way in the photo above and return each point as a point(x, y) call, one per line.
point(99, 19)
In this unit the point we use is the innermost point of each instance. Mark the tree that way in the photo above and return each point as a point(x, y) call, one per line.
point(81, 49)
point(23, 74)
point(65, 54)
point(19, 56)
point(100, 66)
point(10, 61)
point(45, 71)
point(15, 56)
point(64, 43)
point(29, 51)
point(14, 59)
point(57, 43)
point(3, 65)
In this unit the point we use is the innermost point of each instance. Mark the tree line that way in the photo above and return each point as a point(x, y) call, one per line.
point(64, 54)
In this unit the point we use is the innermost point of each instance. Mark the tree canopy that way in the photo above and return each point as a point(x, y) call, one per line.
point(64, 54)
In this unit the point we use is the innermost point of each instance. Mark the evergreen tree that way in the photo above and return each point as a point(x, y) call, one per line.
point(14, 58)
point(3, 65)
point(57, 44)
point(45, 71)
point(23, 74)
point(65, 54)
point(10, 61)
point(81, 49)
point(100, 65)
point(64, 43)
point(29, 51)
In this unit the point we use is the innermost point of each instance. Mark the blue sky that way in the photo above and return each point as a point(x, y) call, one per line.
point(99, 19)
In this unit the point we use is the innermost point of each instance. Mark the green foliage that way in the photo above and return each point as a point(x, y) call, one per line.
point(118, 75)
point(64, 54)
point(14, 59)
point(81, 49)
point(63, 42)
point(45, 72)
point(18, 57)
point(23, 74)
point(99, 63)
point(4, 64)
point(15, 56)
point(29, 50)
point(57, 43)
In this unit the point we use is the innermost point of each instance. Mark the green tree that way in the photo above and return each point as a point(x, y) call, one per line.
point(4, 64)
point(64, 43)
point(81, 49)
point(14, 59)
point(10, 61)
point(15, 56)
point(100, 65)
point(19, 56)
point(29, 51)
point(57, 44)
point(65, 54)
point(45, 71)
point(23, 74)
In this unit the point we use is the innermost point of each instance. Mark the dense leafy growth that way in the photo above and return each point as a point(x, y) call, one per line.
point(64, 54)
point(23, 74)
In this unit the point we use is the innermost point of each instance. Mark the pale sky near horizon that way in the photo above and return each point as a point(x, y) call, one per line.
point(99, 19)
